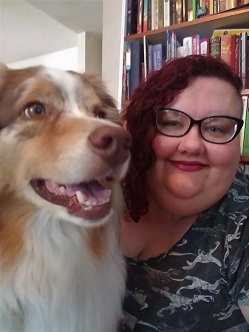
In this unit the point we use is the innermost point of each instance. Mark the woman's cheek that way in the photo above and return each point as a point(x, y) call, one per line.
point(164, 146)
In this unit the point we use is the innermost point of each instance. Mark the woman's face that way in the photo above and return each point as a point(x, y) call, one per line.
point(191, 174)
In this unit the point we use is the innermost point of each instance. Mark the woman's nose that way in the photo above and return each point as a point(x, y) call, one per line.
point(192, 142)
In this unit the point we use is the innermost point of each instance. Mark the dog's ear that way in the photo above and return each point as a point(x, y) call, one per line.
point(3, 66)
point(100, 90)
point(6, 94)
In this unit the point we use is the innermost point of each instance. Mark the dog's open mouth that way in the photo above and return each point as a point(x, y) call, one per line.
point(89, 200)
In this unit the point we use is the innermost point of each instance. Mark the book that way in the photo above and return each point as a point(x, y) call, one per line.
point(196, 44)
point(230, 4)
point(124, 96)
point(140, 16)
point(131, 17)
point(160, 13)
point(172, 11)
point(215, 46)
point(158, 56)
point(222, 5)
point(204, 46)
point(226, 45)
point(245, 101)
point(245, 151)
point(179, 11)
point(247, 66)
point(168, 42)
point(190, 10)
point(145, 63)
point(216, 6)
point(145, 16)
point(127, 68)
point(149, 15)
point(154, 14)
point(243, 57)
point(220, 32)
point(201, 8)
point(135, 67)
point(187, 45)
point(166, 13)
point(237, 54)
point(174, 45)
point(149, 59)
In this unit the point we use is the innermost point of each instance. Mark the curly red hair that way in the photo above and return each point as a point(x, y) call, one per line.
point(158, 90)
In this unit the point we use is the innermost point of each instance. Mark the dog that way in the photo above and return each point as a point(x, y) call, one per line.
point(63, 154)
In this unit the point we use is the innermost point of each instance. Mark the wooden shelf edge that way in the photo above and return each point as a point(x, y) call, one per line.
point(244, 160)
point(245, 92)
point(206, 19)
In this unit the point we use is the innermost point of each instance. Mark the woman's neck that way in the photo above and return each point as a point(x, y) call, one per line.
point(154, 234)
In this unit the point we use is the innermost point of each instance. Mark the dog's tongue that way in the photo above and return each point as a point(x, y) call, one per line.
point(88, 200)
point(89, 193)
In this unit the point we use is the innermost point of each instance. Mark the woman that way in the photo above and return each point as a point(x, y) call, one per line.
point(186, 237)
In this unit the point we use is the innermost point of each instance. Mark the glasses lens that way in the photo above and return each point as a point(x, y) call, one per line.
point(219, 129)
point(172, 123)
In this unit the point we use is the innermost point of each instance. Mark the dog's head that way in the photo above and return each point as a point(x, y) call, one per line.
point(62, 145)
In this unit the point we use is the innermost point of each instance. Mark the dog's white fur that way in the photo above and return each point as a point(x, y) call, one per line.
point(59, 272)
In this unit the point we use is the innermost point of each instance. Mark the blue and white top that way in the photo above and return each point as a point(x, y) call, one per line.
point(198, 284)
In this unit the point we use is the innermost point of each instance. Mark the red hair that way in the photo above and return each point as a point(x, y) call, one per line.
point(158, 90)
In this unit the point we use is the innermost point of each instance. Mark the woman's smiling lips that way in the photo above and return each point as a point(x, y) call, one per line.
point(188, 166)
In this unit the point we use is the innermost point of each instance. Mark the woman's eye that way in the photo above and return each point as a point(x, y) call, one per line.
point(34, 111)
point(171, 123)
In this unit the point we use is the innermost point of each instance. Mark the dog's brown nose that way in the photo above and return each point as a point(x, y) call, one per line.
point(112, 143)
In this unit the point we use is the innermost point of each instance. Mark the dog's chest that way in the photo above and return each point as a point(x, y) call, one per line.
point(59, 285)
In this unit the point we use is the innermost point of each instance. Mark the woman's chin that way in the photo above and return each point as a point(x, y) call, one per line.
point(183, 186)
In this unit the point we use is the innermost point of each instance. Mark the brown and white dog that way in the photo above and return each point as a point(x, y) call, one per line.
point(63, 153)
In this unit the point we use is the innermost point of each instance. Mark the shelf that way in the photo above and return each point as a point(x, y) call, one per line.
point(235, 18)
point(244, 160)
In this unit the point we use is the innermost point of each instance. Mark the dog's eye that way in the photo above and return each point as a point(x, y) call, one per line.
point(99, 113)
point(34, 111)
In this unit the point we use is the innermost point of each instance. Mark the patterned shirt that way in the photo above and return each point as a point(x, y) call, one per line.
point(197, 285)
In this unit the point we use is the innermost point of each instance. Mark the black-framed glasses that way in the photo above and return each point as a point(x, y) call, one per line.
point(218, 129)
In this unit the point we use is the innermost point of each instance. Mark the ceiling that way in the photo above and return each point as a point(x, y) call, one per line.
point(33, 28)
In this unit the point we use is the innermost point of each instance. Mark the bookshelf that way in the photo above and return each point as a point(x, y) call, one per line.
point(236, 18)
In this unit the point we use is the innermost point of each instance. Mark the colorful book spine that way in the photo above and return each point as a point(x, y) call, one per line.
point(179, 11)
point(131, 17)
point(226, 49)
point(187, 45)
point(154, 14)
point(149, 58)
point(245, 100)
point(140, 16)
point(245, 151)
point(135, 68)
point(158, 56)
point(204, 46)
point(145, 16)
point(166, 13)
point(243, 57)
point(215, 46)
point(196, 44)
point(160, 13)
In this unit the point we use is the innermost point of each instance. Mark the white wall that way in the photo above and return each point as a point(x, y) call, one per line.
point(66, 60)
point(112, 46)
point(86, 56)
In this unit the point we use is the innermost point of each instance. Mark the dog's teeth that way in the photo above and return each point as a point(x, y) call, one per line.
point(63, 190)
point(80, 197)
point(54, 184)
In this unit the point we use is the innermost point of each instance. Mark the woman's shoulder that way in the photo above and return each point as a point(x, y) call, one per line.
point(241, 184)
point(237, 199)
